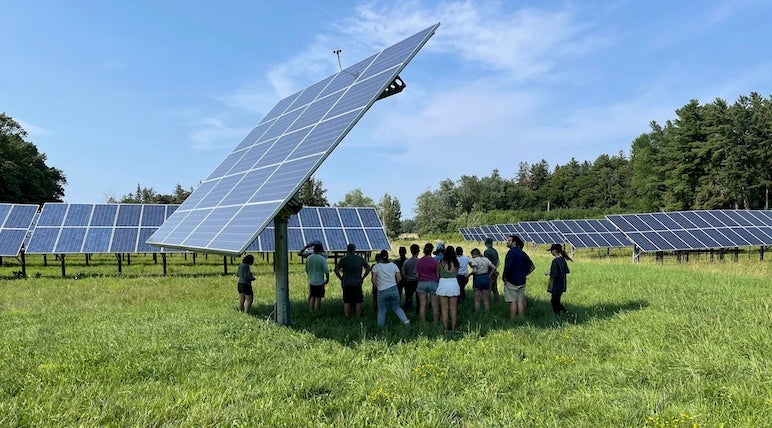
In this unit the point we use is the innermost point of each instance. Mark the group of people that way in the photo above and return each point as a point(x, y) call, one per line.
point(438, 280)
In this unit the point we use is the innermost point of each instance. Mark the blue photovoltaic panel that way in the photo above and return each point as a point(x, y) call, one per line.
point(15, 222)
point(334, 227)
point(598, 233)
point(540, 232)
point(695, 230)
point(96, 228)
point(227, 212)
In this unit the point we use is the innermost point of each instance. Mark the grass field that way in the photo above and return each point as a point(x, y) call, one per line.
point(672, 345)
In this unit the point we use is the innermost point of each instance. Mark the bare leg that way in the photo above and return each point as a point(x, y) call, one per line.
point(422, 306)
point(486, 298)
point(249, 303)
point(512, 310)
point(347, 310)
point(435, 307)
point(358, 309)
point(242, 297)
point(444, 308)
point(521, 308)
point(477, 296)
point(453, 306)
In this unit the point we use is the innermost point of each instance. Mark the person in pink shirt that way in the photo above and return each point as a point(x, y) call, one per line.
point(426, 272)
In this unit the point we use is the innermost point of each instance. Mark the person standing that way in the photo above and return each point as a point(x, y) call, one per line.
point(385, 276)
point(318, 276)
point(426, 272)
point(245, 283)
point(411, 280)
point(306, 251)
point(463, 273)
point(352, 269)
point(491, 254)
point(400, 261)
point(482, 270)
point(517, 266)
point(448, 289)
point(558, 278)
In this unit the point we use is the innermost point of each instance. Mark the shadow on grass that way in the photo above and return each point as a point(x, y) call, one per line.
point(330, 324)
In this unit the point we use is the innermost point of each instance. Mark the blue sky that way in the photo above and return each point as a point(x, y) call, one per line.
point(159, 92)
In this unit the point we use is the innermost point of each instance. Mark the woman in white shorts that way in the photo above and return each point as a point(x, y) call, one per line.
point(448, 289)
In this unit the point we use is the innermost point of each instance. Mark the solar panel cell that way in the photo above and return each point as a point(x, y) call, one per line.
point(153, 215)
point(309, 217)
point(97, 240)
point(19, 217)
point(10, 242)
point(129, 215)
point(43, 240)
point(124, 240)
point(70, 240)
point(52, 215)
point(104, 215)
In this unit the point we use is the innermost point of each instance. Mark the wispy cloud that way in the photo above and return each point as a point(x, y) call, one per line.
point(212, 133)
point(33, 130)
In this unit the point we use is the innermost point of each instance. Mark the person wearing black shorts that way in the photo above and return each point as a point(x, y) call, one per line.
point(245, 284)
point(352, 269)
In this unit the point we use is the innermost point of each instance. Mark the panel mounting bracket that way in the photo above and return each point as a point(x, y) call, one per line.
point(396, 86)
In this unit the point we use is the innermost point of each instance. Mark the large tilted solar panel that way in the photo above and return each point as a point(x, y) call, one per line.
point(696, 230)
point(334, 227)
point(595, 233)
point(97, 228)
point(15, 221)
point(226, 213)
point(540, 232)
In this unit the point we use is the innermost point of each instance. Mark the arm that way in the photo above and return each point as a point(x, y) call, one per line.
point(398, 277)
point(366, 272)
point(338, 271)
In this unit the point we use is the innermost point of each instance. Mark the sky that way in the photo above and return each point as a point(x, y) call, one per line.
point(158, 93)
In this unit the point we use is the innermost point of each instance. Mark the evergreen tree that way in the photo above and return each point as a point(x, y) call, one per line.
point(312, 193)
point(390, 212)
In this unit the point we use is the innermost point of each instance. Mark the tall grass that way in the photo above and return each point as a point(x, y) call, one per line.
point(652, 345)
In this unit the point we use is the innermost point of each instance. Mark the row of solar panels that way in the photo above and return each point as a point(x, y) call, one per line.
point(651, 232)
point(123, 228)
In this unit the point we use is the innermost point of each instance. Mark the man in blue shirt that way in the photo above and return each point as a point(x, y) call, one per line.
point(517, 266)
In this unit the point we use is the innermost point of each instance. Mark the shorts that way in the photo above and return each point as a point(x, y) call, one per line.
point(352, 294)
point(514, 293)
point(317, 290)
point(245, 289)
point(448, 287)
point(429, 287)
point(481, 281)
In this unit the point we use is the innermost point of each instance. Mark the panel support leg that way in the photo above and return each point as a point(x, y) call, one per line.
point(281, 263)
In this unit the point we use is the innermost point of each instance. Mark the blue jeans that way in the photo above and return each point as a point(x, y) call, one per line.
point(389, 298)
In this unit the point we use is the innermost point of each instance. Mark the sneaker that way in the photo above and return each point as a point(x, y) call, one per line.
point(407, 322)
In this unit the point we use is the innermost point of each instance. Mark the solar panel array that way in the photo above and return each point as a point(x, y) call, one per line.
point(696, 230)
point(226, 213)
point(15, 222)
point(97, 228)
point(599, 233)
point(540, 232)
point(334, 227)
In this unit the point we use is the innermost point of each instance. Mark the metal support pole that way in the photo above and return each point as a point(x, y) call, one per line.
point(163, 257)
point(281, 260)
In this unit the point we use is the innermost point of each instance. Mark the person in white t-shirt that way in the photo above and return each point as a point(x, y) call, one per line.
point(385, 276)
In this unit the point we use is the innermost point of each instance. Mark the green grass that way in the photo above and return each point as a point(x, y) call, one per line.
point(653, 345)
